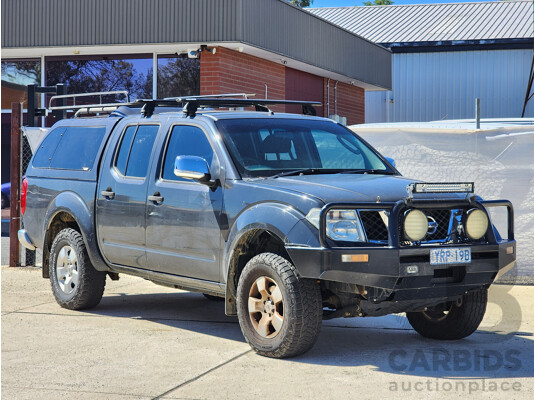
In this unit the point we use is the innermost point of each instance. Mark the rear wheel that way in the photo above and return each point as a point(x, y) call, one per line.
point(76, 284)
point(452, 320)
point(280, 314)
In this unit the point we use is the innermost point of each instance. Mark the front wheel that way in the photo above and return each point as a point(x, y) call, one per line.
point(76, 284)
point(279, 313)
point(452, 320)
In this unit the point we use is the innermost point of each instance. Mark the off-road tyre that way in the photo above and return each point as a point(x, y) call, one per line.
point(89, 289)
point(301, 307)
point(460, 321)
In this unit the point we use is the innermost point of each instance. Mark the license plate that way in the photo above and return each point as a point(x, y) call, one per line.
point(455, 255)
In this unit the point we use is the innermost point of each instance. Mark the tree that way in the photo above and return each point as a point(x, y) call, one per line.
point(180, 77)
point(84, 76)
point(301, 3)
point(378, 3)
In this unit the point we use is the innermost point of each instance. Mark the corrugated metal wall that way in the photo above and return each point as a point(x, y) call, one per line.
point(435, 86)
point(273, 25)
point(31, 23)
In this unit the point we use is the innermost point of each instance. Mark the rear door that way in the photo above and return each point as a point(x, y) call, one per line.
point(183, 229)
point(122, 194)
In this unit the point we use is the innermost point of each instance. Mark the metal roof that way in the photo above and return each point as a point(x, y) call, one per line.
point(452, 22)
point(273, 26)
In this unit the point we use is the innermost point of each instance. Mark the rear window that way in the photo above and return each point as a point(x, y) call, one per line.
point(47, 148)
point(73, 148)
point(135, 149)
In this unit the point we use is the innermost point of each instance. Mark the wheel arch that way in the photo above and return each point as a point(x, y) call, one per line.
point(68, 210)
point(265, 227)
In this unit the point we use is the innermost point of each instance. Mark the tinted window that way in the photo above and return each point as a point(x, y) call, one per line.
point(266, 147)
point(185, 141)
point(48, 146)
point(124, 150)
point(138, 161)
point(78, 148)
point(334, 156)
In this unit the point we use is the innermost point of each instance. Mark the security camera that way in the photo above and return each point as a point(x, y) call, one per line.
point(193, 53)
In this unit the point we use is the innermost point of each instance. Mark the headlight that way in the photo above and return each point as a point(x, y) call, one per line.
point(476, 223)
point(342, 225)
point(416, 225)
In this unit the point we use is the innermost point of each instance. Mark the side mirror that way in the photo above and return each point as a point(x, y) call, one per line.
point(391, 161)
point(192, 167)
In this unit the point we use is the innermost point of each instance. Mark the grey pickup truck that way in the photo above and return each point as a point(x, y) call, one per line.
point(288, 218)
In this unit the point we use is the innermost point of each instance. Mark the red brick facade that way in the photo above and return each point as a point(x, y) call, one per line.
point(349, 101)
point(230, 71)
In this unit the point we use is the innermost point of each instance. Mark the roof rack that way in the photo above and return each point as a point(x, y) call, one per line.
point(214, 96)
point(193, 104)
point(190, 104)
point(75, 106)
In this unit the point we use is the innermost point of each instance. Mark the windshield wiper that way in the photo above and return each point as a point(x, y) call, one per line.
point(368, 171)
point(297, 172)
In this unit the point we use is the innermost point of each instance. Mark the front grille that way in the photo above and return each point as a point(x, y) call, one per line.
point(442, 218)
point(377, 231)
point(374, 226)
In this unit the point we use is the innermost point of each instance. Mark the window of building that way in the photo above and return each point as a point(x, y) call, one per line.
point(16, 75)
point(178, 75)
point(102, 73)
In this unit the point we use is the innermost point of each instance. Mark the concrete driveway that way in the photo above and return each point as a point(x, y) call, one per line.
point(144, 342)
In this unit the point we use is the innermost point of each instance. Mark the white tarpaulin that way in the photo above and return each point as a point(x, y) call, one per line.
point(498, 159)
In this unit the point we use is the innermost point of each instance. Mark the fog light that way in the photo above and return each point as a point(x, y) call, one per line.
point(476, 224)
point(416, 225)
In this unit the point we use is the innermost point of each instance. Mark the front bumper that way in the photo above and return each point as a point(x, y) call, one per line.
point(388, 268)
point(405, 272)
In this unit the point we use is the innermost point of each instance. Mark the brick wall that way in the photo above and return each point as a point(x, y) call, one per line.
point(350, 101)
point(230, 71)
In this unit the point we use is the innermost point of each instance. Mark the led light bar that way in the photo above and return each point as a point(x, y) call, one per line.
point(459, 187)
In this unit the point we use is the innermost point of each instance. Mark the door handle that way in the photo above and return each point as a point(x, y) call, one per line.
point(108, 193)
point(156, 198)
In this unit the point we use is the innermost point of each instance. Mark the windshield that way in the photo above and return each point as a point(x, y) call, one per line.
point(266, 147)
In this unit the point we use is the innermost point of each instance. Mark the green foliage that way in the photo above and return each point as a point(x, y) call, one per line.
point(84, 76)
point(302, 3)
point(378, 3)
point(179, 77)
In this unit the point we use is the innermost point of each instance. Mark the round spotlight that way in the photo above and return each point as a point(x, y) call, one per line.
point(416, 225)
point(476, 224)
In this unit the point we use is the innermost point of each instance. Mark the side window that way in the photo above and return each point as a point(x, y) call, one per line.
point(185, 140)
point(47, 148)
point(124, 149)
point(70, 147)
point(135, 149)
point(78, 148)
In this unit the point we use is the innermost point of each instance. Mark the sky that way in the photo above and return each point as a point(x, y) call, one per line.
point(343, 3)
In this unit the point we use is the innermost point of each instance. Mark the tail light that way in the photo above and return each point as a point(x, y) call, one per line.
point(23, 196)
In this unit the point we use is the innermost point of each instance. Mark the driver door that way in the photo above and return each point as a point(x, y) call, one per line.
point(183, 229)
